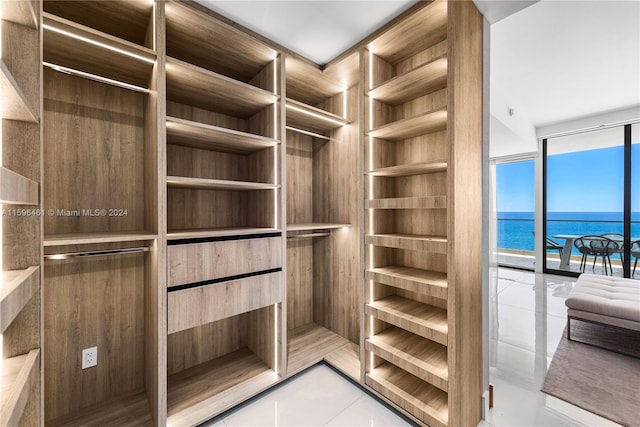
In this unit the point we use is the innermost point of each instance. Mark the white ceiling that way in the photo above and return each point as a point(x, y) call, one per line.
point(317, 30)
point(560, 60)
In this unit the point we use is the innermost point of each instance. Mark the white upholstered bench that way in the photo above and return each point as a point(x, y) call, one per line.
point(604, 300)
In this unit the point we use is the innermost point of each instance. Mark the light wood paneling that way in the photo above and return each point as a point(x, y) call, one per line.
point(90, 238)
point(409, 169)
point(204, 304)
point(17, 288)
point(200, 135)
point(308, 83)
point(424, 401)
point(425, 359)
point(310, 344)
point(346, 359)
point(299, 283)
point(191, 263)
point(406, 241)
point(432, 121)
point(432, 283)
point(98, 302)
point(217, 184)
point(15, 105)
point(429, 202)
point(21, 12)
point(82, 48)
point(424, 320)
point(18, 376)
point(314, 226)
point(220, 232)
point(300, 115)
point(126, 411)
point(15, 189)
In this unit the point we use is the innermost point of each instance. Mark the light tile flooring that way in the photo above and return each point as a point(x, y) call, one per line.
point(527, 318)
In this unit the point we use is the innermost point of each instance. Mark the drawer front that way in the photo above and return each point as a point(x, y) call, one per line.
point(200, 262)
point(197, 306)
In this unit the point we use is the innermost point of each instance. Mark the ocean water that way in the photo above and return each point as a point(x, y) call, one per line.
point(515, 228)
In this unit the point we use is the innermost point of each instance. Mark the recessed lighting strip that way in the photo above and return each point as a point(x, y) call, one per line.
point(94, 77)
point(316, 115)
point(97, 43)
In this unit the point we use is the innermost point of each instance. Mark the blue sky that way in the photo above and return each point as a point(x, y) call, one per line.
point(585, 181)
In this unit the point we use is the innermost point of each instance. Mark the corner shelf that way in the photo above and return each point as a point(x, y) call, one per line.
point(420, 81)
point(425, 320)
point(217, 184)
point(306, 117)
point(196, 394)
point(425, 359)
point(409, 169)
point(310, 344)
point(15, 105)
point(92, 238)
point(414, 242)
point(17, 376)
point(427, 202)
point(199, 87)
point(15, 189)
point(75, 46)
point(16, 289)
point(218, 232)
point(432, 283)
point(421, 399)
point(431, 121)
point(208, 137)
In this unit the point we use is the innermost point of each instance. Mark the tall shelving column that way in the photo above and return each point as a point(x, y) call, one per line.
point(21, 227)
point(422, 279)
point(224, 200)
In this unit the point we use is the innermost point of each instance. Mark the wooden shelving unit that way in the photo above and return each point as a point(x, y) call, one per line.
point(19, 376)
point(125, 411)
point(423, 179)
point(91, 238)
point(16, 290)
point(15, 189)
point(307, 117)
point(15, 105)
point(220, 232)
point(218, 184)
point(315, 226)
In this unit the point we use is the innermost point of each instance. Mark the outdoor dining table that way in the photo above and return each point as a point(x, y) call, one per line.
point(568, 243)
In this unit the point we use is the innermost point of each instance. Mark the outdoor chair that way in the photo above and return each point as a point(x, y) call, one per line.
point(618, 238)
point(551, 245)
point(596, 246)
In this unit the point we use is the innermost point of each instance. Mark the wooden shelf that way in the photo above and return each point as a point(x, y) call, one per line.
point(310, 84)
point(310, 344)
point(16, 289)
point(301, 115)
point(425, 320)
point(199, 135)
point(420, 30)
point(315, 226)
point(409, 169)
point(346, 359)
point(428, 202)
point(217, 184)
point(20, 12)
point(432, 121)
point(15, 189)
point(423, 358)
point(423, 400)
point(14, 102)
point(75, 46)
point(127, 411)
point(18, 375)
point(218, 232)
point(91, 238)
point(432, 283)
point(199, 87)
point(420, 81)
point(414, 242)
point(196, 394)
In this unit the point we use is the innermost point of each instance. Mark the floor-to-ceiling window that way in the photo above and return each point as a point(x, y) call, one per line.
point(515, 213)
point(589, 179)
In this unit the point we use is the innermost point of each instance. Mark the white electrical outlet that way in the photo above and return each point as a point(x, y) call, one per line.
point(89, 357)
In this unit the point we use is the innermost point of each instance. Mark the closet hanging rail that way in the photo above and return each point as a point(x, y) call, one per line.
point(307, 235)
point(89, 76)
point(88, 254)
point(306, 132)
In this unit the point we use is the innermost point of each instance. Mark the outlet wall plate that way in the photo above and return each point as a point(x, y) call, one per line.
point(89, 357)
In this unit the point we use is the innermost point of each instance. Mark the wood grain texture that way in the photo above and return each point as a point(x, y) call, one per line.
point(427, 321)
point(15, 189)
point(427, 403)
point(21, 12)
point(315, 226)
point(220, 232)
point(204, 304)
point(310, 344)
point(200, 135)
point(307, 117)
point(229, 50)
point(199, 87)
point(299, 282)
point(435, 244)
point(15, 105)
point(428, 122)
point(308, 83)
point(127, 20)
point(465, 33)
point(217, 184)
point(127, 411)
point(431, 283)
point(409, 169)
point(346, 359)
point(91, 238)
point(428, 202)
point(17, 379)
point(17, 288)
point(99, 302)
point(423, 358)
point(414, 83)
point(192, 263)
point(65, 45)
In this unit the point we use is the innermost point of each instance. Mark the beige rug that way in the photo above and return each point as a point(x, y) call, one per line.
point(598, 380)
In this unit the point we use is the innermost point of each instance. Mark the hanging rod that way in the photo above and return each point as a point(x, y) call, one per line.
point(308, 235)
point(306, 132)
point(94, 77)
point(87, 254)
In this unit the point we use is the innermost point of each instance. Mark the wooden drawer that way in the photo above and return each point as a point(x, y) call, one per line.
point(204, 304)
point(200, 262)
